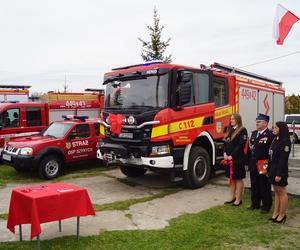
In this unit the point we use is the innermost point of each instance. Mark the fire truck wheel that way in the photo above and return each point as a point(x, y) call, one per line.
point(50, 167)
point(199, 167)
point(133, 171)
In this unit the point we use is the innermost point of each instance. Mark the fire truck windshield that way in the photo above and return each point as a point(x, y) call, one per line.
point(151, 91)
point(57, 130)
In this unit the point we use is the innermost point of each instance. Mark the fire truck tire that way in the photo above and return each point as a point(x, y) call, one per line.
point(50, 167)
point(199, 167)
point(133, 171)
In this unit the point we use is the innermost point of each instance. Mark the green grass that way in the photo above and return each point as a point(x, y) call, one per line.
point(124, 205)
point(222, 227)
point(91, 168)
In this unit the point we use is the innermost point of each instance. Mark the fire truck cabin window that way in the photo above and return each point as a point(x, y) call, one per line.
point(33, 117)
point(201, 87)
point(80, 131)
point(293, 118)
point(149, 91)
point(220, 91)
point(10, 118)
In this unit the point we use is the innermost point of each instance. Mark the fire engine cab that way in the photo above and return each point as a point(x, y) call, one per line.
point(63, 142)
point(166, 117)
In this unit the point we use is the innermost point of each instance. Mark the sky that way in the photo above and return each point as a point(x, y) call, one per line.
point(45, 43)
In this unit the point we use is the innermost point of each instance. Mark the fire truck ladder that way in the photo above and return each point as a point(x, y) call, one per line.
point(237, 71)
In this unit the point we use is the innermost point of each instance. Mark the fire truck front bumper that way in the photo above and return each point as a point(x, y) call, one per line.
point(162, 162)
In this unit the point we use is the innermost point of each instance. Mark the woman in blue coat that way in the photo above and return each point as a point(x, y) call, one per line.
point(278, 170)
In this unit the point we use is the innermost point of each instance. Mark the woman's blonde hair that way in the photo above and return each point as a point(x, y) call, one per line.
point(239, 124)
point(238, 119)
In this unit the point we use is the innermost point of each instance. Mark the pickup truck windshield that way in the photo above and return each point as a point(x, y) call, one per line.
point(150, 91)
point(57, 130)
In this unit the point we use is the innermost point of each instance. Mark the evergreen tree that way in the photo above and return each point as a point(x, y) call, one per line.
point(155, 48)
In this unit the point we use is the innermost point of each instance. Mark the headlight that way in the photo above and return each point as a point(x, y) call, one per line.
point(131, 120)
point(26, 151)
point(160, 150)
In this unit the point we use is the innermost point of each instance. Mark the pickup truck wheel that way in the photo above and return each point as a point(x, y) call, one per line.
point(132, 171)
point(199, 167)
point(50, 167)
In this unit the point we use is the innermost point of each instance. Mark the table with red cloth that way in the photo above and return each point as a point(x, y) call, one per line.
point(44, 203)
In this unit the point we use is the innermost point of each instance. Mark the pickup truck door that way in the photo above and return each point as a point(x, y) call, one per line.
point(79, 144)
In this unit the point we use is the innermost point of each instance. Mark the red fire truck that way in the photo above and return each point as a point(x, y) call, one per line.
point(27, 118)
point(166, 117)
point(63, 142)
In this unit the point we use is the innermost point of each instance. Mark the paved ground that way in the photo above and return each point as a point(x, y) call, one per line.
point(154, 214)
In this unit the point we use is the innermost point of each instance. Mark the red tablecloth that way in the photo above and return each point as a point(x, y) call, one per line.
point(44, 203)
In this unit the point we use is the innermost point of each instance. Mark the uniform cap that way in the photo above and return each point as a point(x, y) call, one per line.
point(262, 117)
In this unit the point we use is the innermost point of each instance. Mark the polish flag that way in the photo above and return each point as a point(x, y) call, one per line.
point(284, 20)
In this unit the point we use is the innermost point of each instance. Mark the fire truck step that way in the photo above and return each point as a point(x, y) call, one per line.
point(175, 176)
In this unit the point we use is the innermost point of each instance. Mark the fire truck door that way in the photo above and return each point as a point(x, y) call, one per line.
point(79, 143)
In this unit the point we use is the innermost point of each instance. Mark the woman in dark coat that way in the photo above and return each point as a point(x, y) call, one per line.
point(278, 170)
point(235, 140)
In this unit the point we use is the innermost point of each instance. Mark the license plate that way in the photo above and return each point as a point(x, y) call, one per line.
point(6, 157)
point(126, 135)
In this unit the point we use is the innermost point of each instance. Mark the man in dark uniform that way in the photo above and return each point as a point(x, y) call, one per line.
point(260, 141)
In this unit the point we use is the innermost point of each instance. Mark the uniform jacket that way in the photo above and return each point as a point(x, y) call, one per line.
point(259, 147)
point(279, 157)
point(235, 147)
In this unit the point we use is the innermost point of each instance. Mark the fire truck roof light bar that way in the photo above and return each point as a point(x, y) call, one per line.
point(230, 69)
point(15, 86)
point(147, 63)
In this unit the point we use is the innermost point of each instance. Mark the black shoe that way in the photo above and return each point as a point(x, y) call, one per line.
point(236, 205)
point(229, 202)
point(252, 208)
point(273, 219)
point(281, 221)
point(264, 211)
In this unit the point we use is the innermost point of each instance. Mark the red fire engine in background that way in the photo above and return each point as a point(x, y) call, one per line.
point(27, 118)
point(166, 117)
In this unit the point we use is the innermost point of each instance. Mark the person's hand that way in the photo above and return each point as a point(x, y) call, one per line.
point(225, 156)
point(229, 157)
point(278, 178)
